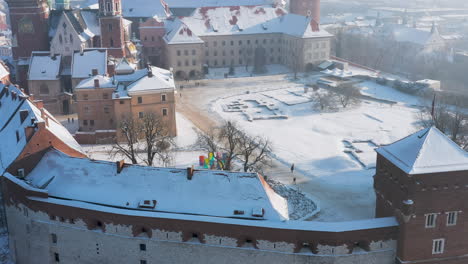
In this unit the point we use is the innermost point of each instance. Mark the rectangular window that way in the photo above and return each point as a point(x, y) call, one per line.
point(140, 115)
point(194, 52)
point(54, 238)
point(143, 261)
point(431, 220)
point(106, 109)
point(163, 98)
point(142, 247)
point(87, 109)
point(122, 102)
point(85, 97)
point(85, 122)
point(17, 136)
point(164, 111)
point(223, 43)
point(140, 100)
point(232, 42)
point(57, 257)
point(178, 53)
point(91, 122)
point(452, 218)
point(438, 246)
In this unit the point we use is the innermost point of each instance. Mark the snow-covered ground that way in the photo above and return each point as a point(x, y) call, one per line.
point(5, 257)
point(314, 142)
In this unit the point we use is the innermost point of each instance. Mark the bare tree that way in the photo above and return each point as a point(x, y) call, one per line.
point(347, 94)
point(129, 128)
point(325, 100)
point(254, 152)
point(156, 139)
point(448, 116)
point(230, 136)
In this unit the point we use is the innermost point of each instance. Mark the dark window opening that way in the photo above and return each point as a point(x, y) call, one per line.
point(142, 247)
point(54, 238)
point(140, 100)
point(57, 257)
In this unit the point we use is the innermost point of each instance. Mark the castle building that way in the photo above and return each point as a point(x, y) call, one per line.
point(112, 27)
point(422, 181)
point(104, 102)
point(29, 24)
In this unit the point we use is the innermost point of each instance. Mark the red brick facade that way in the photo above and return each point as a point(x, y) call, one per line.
point(112, 28)
point(29, 24)
point(410, 198)
point(306, 8)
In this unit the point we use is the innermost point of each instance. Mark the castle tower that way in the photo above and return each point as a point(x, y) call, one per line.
point(29, 25)
point(112, 28)
point(306, 8)
point(421, 180)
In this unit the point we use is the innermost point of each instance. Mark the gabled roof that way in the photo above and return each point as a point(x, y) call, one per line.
point(84, 22)
point(427, 151)
point(12, 127)
point(124, 67)
point(43, 66)
point(104, 82)
point(83, 63)
point(161, 79)
point(217, 193)
point(179, 33)
point(144, 8)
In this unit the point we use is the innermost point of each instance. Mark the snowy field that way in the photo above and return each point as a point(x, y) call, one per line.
point(334, 150)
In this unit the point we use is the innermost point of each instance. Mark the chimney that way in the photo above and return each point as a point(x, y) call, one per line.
point(120, 166)
point(23, 115)
point(150, 71)
point(190, 173)
point(13, 95)
point(111, 69)
point(94, 72)
point(96, 83)
point(39, 104)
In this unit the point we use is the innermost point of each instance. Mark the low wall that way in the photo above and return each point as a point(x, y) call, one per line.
point(97, 137)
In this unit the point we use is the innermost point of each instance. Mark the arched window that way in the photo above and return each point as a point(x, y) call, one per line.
point(44, 89)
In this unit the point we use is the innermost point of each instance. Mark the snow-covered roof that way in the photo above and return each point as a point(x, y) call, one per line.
point(144, 8)
point(179, 33)
point(12, 127)
point(206, 3)
point(236, 20)
point(217, 193)
point(124, 67)
point(4, 70)
point(104, 82)
point(83, 63)
point(161, 79)
point(427, 151)
point(44, 67)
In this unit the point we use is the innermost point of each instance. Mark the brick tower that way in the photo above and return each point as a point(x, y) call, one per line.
point(29, 24)
point(112, 28)
point(306, 8)
point(421, 180)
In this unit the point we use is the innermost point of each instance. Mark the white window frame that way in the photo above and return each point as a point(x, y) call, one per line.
point(455, 218)
point(426, 220)
point(163, 97)
point(438, 246)
point(166, 110)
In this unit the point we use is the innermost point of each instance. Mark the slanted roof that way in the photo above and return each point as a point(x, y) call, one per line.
point(212, 3)
point(4, 70)
point(83, 63)
point(263, 19)
point(104, 82)
point(161, 79)
point(427, 151)
point(217, 193)
point(179, 33)
point(12, 125)
point(144, 8)
point(124, 67)
point(44, 67)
